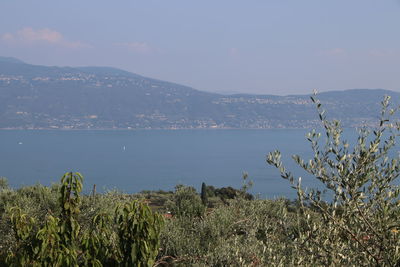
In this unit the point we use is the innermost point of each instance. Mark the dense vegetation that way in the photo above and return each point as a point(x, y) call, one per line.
point(354, 223)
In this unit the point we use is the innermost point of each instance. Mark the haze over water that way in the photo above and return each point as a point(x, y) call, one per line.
point(132, 161)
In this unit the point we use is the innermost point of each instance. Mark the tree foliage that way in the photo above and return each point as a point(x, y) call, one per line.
point(186, 202)
point(359, 216)
point(60, 241)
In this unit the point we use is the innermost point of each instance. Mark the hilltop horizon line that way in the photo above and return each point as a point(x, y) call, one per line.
point(15, 60)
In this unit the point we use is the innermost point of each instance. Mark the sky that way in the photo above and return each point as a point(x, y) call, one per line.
point(227, 46)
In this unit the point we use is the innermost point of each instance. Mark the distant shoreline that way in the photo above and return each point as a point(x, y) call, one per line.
point(153, 129)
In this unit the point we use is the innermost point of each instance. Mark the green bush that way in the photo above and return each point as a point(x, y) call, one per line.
point(186, 202)
point(138, 229)
point(243, 233)
point(61, 241)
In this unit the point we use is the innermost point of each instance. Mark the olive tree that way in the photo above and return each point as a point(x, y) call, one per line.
point(357, 222)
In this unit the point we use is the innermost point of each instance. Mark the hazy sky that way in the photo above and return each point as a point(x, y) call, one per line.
point(254, 46)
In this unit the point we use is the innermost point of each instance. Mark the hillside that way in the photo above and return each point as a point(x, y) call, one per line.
point(43, 97)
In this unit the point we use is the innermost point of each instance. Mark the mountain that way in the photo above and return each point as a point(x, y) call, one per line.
point(44, 97)
point(10, 60)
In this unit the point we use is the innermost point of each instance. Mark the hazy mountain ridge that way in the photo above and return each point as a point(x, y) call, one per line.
point(42, 97)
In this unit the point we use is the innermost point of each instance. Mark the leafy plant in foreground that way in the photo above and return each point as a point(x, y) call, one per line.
point(138, 229)
point(360, 217)
point(60, 241)
point(56, 242)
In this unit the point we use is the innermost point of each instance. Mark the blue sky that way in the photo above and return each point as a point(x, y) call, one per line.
point(255, 46)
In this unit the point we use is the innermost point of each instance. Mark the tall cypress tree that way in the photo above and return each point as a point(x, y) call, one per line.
point(204, 198)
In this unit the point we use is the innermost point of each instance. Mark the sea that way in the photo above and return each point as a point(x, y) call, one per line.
point(131, 161)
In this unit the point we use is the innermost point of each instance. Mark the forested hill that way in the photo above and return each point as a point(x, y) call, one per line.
point(43, 97)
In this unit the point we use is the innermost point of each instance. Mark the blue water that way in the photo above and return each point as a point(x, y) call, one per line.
point(132, 161)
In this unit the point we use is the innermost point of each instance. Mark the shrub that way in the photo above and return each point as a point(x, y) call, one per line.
point(243, 233)
point(186, 202)
point(61, 241)
point(138, 229)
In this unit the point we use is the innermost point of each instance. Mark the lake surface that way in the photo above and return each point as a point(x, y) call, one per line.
point(132, 161)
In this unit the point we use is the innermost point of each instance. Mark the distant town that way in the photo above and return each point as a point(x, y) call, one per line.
point(40, 97)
